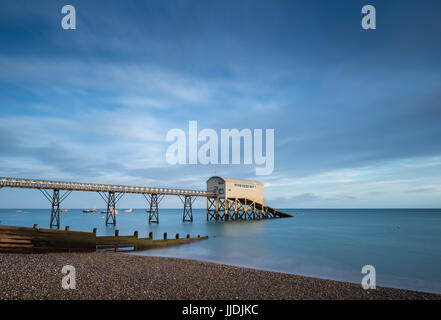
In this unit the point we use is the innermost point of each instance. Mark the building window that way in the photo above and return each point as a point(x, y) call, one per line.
point(246, 186)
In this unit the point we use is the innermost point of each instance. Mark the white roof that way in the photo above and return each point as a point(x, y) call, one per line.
point(234, 180)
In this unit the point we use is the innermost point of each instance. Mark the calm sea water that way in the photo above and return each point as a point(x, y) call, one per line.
point(333, 244)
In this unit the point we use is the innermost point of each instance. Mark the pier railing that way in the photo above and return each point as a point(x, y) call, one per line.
point(94, 187)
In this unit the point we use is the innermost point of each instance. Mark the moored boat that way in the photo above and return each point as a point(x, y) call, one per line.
point(113, 211)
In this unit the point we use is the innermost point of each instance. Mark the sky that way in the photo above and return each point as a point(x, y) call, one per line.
point(356, 113)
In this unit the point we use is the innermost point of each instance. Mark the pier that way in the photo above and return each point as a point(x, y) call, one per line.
point(221, 206)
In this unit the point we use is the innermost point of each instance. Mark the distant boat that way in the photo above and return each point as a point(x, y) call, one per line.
point(128, 211)
point(19, 211)
point(94, 210)
point(113, 211)
point(87, 211)
point(65, 210)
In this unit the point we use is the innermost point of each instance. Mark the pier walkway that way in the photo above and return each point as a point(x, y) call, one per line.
point(218, 208)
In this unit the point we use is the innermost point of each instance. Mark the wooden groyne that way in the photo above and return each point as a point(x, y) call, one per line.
point(35, 240)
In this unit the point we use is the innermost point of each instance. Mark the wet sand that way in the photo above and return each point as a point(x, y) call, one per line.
point(108, 275)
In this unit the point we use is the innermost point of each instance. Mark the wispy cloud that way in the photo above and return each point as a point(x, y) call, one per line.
point(356, 115)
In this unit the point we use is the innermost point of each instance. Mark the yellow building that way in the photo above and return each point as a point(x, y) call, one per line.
point(229, 188)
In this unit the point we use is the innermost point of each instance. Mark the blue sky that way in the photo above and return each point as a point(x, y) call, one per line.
point(356, 113)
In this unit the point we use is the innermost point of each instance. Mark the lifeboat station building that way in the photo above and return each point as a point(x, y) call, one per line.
point(237, 199)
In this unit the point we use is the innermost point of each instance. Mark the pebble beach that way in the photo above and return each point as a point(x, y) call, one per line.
point(109, 275)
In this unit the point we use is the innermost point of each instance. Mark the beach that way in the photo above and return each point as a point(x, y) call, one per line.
point(109, 275)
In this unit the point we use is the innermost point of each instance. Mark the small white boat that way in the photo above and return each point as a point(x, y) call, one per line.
point(128, 211)
point(113, 211)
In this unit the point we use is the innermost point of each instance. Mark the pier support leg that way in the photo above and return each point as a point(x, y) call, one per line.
point(153, 201)
point(245, 207)
point(222, 209)
point(230, 209)
point(241, 209)
point(55, 211)
point(55, 199)
point(249, 210)
point(208, 208)
point(258, 213)
point(188, 210)
point(212, 208)
point(226, 209)
point(111, 200)
point(111, 209)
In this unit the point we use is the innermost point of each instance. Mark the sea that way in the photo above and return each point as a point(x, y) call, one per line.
point(403, 245)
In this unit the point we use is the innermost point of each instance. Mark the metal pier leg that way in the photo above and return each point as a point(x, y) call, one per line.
point(188, 211)
point(55, 211)
point(111, 209)
point(153, 200)
point(55, 199)
point(111, 200)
